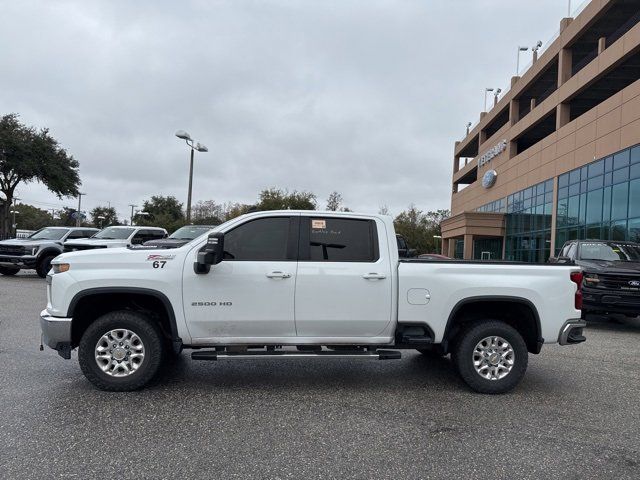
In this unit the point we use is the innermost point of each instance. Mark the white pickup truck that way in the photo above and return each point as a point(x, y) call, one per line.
point(305, 284)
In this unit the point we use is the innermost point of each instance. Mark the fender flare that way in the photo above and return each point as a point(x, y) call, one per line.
point(135, 290)
point(495, 298)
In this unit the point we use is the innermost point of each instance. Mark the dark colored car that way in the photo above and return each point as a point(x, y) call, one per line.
point(433, 256)
point(403, 248)
point(180, 237)
point(611, 269)
point(38, 249)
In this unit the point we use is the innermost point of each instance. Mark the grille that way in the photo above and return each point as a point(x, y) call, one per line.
point(619, 282)
point(11, 250)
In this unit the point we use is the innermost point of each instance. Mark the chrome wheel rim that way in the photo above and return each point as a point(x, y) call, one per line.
point(493, 358)
point(119, 352)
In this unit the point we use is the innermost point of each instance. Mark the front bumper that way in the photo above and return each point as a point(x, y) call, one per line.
point(56, 333)
point(610, 302)
point(24, 261)
point(571, 332)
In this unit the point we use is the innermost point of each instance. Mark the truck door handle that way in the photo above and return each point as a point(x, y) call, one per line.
point(374, 276)
point(278, 274)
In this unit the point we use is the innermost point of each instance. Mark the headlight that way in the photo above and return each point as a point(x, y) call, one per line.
point(591, 280)
point(30, 250)
point(60, 267)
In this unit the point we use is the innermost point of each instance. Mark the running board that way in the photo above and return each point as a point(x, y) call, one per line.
point(375, 355)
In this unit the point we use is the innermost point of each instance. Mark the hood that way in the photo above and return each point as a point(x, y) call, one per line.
point(166, 243)
point(92, 242)
point(26, 242)
point(609, 266)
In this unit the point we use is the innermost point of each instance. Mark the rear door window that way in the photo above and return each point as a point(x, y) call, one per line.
point(329, 239)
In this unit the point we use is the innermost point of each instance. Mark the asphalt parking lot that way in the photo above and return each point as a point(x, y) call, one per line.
point(576, 414)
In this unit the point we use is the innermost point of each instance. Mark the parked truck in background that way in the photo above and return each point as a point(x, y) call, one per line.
point(308, 284)
point(611, 271)
point(37, 250)
point(117, 236)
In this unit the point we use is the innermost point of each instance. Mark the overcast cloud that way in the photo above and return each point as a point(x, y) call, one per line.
point(363, 97)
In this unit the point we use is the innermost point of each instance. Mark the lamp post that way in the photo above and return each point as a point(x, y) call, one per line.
point(139, 214)
point(486, 90)
point(496, 95)
point(101, 218)
point(520, 49)
point(437, 242)
point(14, 225)
point(79, 216)
point(193, 146)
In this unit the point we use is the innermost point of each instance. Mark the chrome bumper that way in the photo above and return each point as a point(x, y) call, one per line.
point(571, 332)
point(56, 333)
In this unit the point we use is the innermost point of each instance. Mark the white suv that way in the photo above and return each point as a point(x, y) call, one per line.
point(112, 237)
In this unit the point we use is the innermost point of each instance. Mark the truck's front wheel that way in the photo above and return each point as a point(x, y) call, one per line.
point(491, 357)
point(121, 351)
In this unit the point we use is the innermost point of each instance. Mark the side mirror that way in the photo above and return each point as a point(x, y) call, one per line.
point(211, 254)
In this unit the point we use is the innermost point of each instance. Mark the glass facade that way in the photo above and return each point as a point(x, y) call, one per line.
point(528, 223)
point(600, 200)
point(498, 206)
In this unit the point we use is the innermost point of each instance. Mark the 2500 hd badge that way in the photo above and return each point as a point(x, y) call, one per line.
point(211, 304)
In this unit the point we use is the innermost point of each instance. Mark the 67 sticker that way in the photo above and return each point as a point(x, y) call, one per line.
point(159, 261)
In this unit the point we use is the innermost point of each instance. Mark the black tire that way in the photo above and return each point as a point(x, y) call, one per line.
point(44, 265)
point(152, 341)
point(463, 356)
point(434, 352)
point(9, 270)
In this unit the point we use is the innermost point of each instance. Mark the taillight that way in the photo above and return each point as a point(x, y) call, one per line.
point(576, 277)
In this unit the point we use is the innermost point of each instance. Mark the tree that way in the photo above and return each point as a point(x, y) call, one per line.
point(30, 155)
point(207, 212)
point(32, 218)
point(334, 201)
point(109, 214)
point(65, 217)
point(163, 212)
point(419, 228)
point(233, 210)
point(276, 199)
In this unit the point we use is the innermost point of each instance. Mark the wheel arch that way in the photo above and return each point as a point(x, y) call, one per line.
point(477, 308)
point(92, 303)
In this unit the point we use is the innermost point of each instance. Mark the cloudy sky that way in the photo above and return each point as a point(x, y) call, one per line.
point(364, 97)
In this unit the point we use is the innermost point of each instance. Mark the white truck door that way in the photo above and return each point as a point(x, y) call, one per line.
point(251, 292)
point(344, 279)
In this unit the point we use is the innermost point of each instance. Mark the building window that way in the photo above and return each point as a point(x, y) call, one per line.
point(528, 223)
point(600, 200)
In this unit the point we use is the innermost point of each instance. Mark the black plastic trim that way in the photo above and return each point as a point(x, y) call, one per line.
point(496, 298)
point(136, 290)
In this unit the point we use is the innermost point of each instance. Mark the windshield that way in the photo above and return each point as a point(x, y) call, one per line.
point(113, 233)
point(610, 251)
point(48, 234)
point(189, 232)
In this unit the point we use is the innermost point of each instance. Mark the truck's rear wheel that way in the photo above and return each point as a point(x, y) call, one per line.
point(491, 357)
point(121, 351)
point(9, 270)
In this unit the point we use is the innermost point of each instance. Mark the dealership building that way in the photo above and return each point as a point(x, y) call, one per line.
point(557, 157)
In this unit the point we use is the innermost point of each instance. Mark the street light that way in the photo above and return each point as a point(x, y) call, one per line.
point(139, 213)
point(486, 90)
point(496, 95)
point(101, 218)
point(520, 49)
point(181, 134)
point(468, 127)
point(79, 216)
